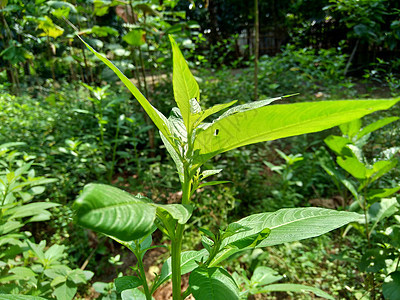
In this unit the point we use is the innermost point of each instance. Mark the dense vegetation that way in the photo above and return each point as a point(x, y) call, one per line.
point(68, 121)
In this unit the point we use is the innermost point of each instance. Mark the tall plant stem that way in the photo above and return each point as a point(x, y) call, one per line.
point(176, 243)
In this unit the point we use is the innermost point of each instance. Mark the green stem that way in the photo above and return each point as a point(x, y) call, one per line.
point(176, 249)
point(140, 271)
point(176, 242)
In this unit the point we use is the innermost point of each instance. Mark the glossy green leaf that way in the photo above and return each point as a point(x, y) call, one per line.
point(179, 212)
point(126, 283)
point(111, 211)
point(278, 121)
point(158, 118)
point(293, 224)
point(353, 166)
point(297, 288)
point(337, 143)
point(212, 284)
point(184, 85)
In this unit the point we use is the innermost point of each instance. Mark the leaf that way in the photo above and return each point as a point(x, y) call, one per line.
point(351, 128)
point(380, 168)
point(126, 282)
point(158, 118)
point(375, 126)
point(337, 143)
point(247, 106)
point(210, 183)
point(77, 276)
point(188, 263)
point(175, 157)
point(184, 84)
point(208, 173)
point(201, 116)
point(293, 224)
point(135, 37)
point(133, 294)
point(391, 286)
point(30, 209)
point(251, 241)
point(65, 291)
point(212, 284)
point(353, 166)
point(264, 275)
point(179, 212)
point(278, 121)
point(381, 210)
point(111, 211)
point(290, 287)
point(381, 193)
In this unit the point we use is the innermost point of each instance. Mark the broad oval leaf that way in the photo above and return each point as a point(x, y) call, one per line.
point(213, 284)
point(278, 121)
point(114, 212)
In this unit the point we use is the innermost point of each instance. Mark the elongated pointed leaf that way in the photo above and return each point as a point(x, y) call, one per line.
point(278, 121)
point(201, 116)
point(212, 284)
point(184, 84)
point(293, 224)
point(158, 118)
point(111, 211)
point(375, 126)
point(298, 288)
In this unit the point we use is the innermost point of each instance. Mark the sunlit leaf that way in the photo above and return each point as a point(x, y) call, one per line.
point(278, 121)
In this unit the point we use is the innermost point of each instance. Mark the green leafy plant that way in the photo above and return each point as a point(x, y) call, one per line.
point(26, 267)
point(378, 205)
point(191, 142)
